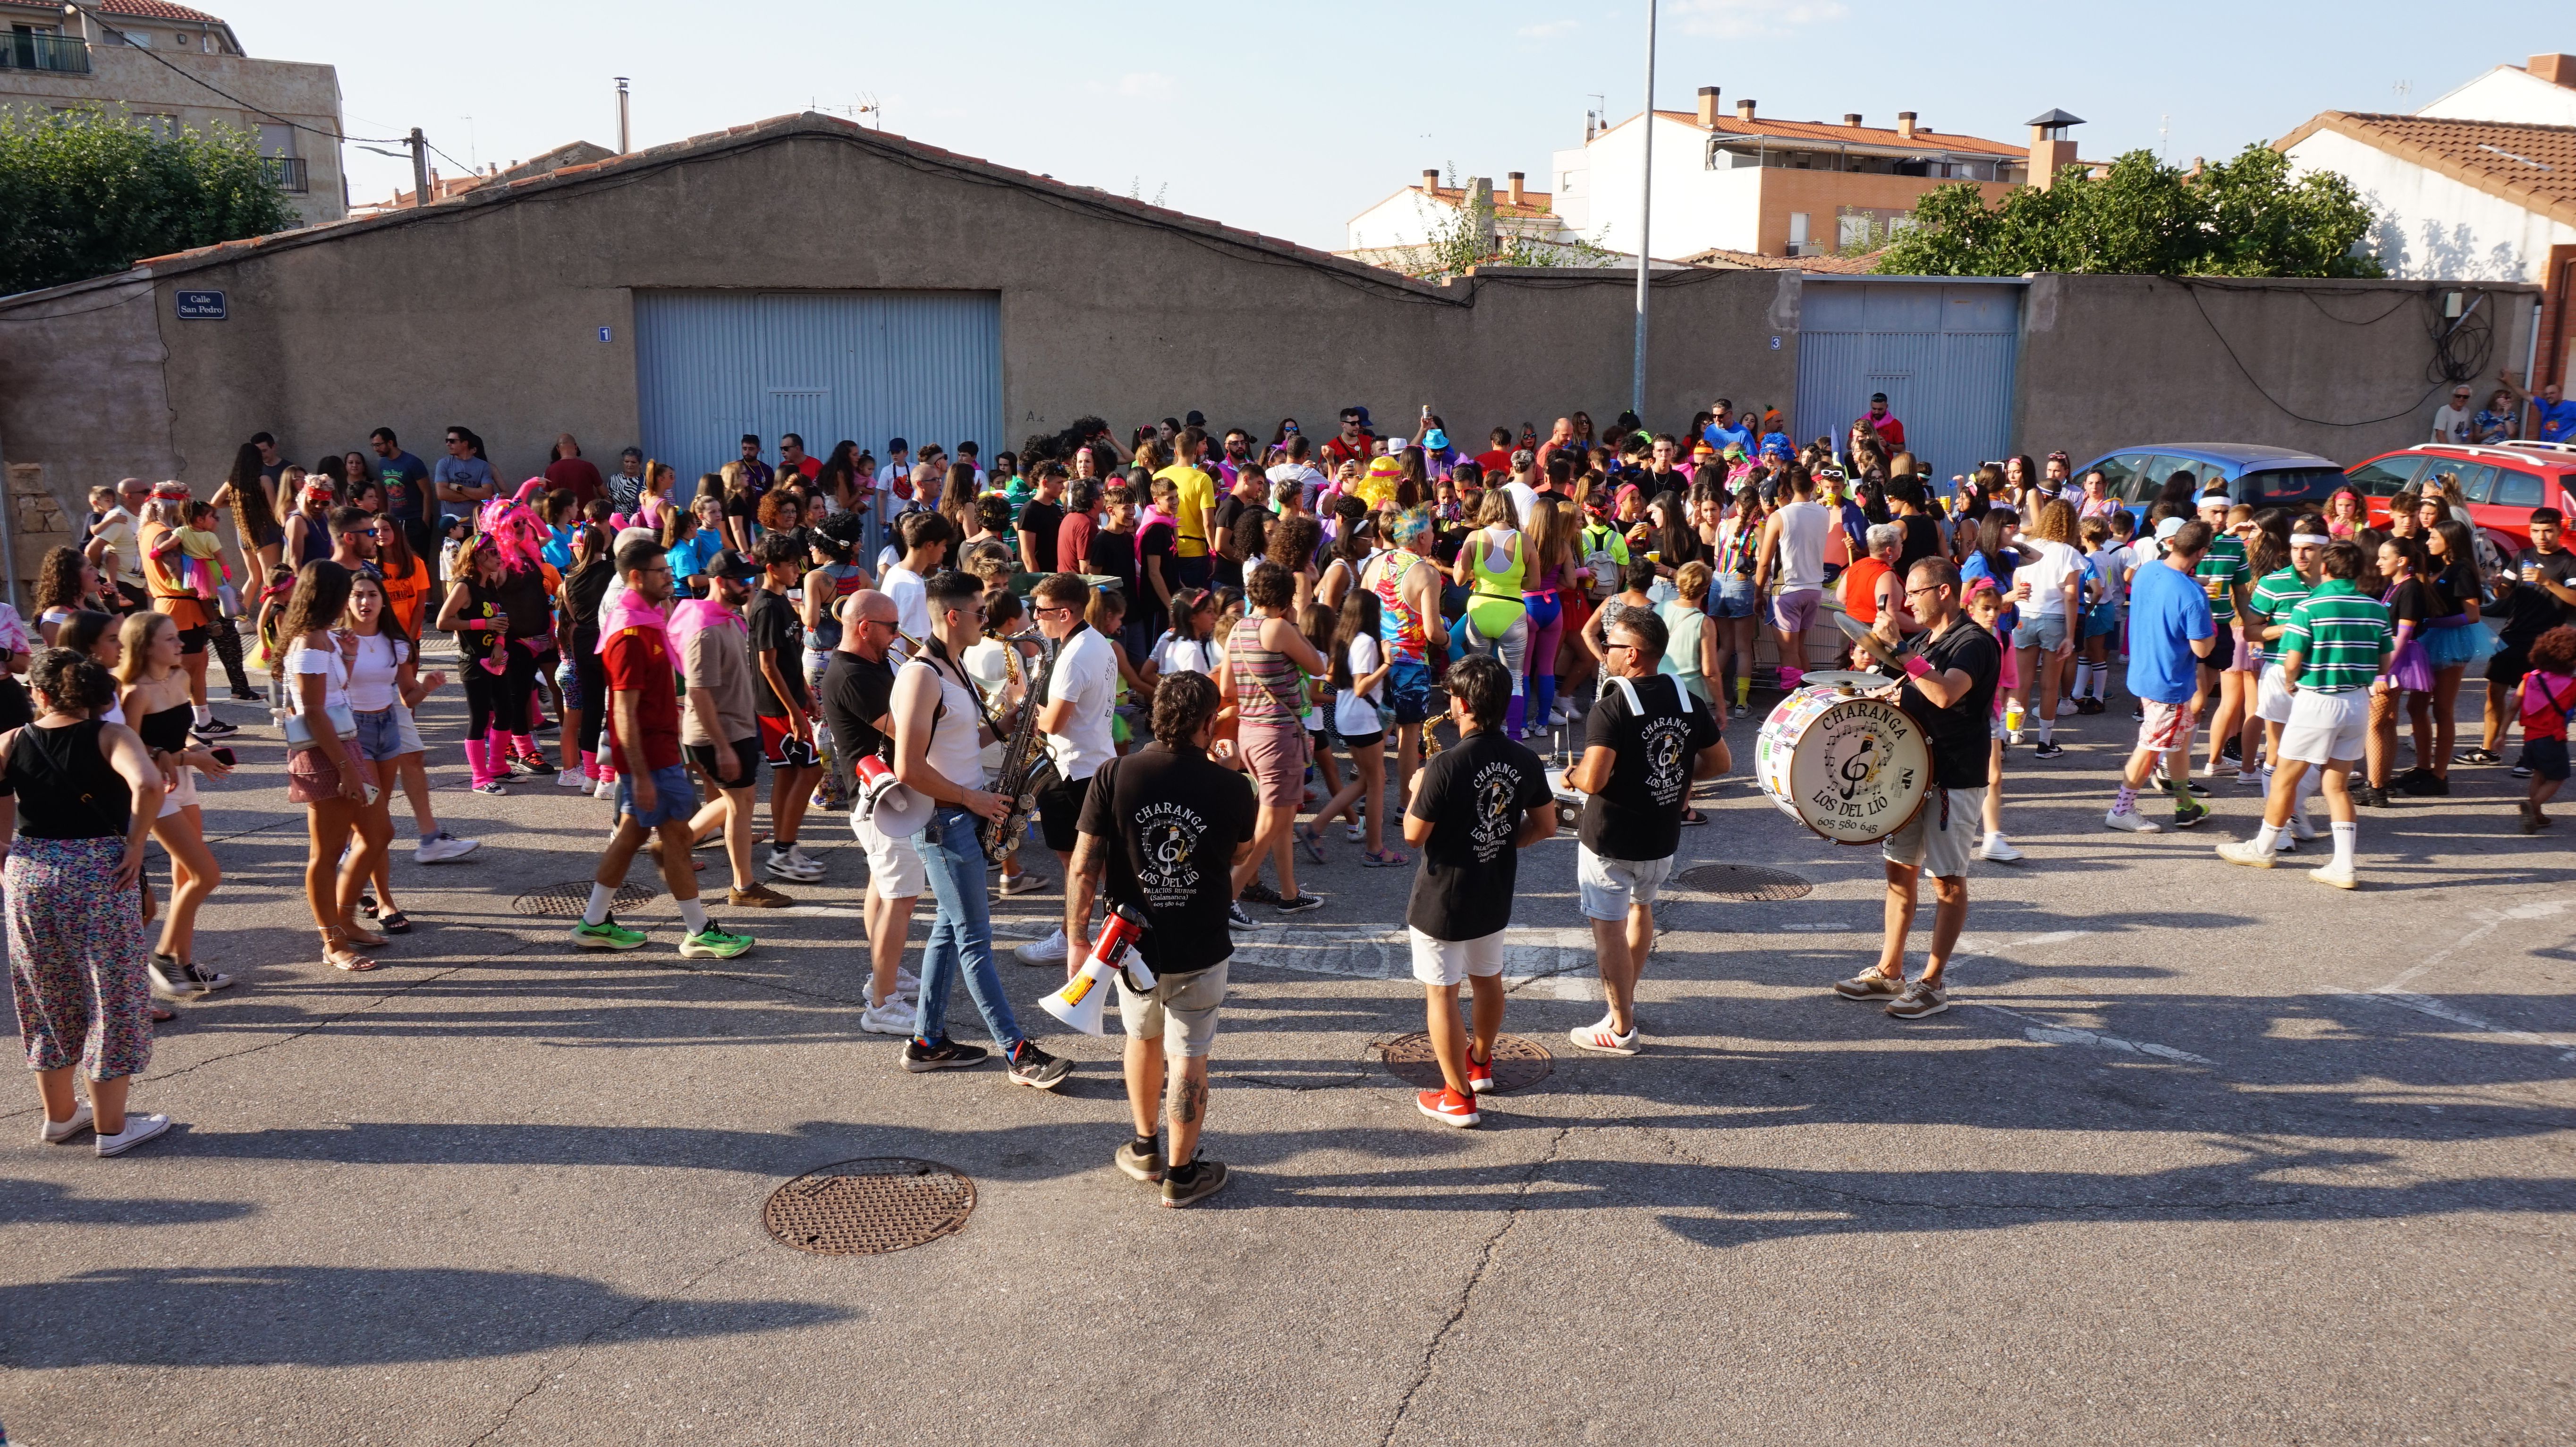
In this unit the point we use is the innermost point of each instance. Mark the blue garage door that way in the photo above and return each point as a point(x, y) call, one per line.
point(1942, 352)
point(826, 365)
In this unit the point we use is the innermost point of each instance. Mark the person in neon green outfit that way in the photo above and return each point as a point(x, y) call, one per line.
point(1493, 563)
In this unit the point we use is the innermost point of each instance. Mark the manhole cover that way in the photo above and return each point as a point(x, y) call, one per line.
point(868, 1207)
point(1744, 883)
point(1518, 1061)
point(567, 901)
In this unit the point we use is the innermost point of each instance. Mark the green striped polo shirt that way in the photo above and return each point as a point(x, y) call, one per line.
point(2340, 635)
point(2225, 561)
point(2274, 597)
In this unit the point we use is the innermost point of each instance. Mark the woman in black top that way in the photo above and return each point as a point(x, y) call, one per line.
point(496, 612)
point(2404, 568)
point(80, 793)
point(577, 630)
point(2453, 639)
point(155, 700)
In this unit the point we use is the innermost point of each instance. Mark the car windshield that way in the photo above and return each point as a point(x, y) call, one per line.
point(2388, 476)
point(2290, 484)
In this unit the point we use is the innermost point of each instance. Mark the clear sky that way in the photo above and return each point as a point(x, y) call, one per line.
point(1288, 119)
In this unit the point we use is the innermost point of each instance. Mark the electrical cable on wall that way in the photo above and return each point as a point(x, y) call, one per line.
point(2460, 352)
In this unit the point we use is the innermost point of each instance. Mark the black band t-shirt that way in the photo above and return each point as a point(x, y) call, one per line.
point(856, 692)
point(1474, 795)
point(1171, 821)
point(1960, 733)
point(1638, 814)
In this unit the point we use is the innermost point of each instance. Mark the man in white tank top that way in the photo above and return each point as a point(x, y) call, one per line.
point(1793, 550)
point(940, 730)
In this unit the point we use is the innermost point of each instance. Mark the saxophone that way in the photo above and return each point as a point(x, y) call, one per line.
point(1026, 767)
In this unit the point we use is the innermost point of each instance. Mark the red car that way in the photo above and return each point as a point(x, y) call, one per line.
point(2503, 482)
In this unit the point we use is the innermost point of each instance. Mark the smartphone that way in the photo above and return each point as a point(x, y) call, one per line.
point(223, 754)
point(370, 791)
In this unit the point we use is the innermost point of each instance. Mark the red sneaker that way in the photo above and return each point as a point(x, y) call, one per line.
point(1480, 1073)
point(1448, 1107)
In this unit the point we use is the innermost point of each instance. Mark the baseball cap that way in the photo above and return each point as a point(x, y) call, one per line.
point(730, 564)
point(2166, 529)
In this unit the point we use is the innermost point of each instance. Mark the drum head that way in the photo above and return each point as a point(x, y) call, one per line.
point(1842, 678)
point(1852, 769)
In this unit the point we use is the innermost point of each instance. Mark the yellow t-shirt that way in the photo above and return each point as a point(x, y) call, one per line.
point(1193, 498)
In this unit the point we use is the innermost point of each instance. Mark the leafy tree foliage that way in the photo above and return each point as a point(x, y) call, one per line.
point(2241, 217)
point(91, 192)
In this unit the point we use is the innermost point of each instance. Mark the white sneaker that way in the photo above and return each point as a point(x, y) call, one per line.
point(1027, 881)
point(1599, 1038)
point(894, 1017)
point(2248, 852)
point(2132, 821)
point(1998, 849)
point(788, 866)
point(572, 778)
point(605, 789)
point(138, 1129)
point(1049, 951)
point(56, 1132)
point(2341, 876)
point(906, 983)
point(1559, 716)
point(2300, 828)
point(442, 846)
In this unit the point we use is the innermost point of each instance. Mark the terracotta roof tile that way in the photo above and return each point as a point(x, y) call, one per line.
point(1537, 203)
point(1922, 139)
point(153, 10)
point(1725, 260)
point(2529, 165)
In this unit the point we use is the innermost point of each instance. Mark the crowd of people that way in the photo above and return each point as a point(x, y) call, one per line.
point(1188, 656)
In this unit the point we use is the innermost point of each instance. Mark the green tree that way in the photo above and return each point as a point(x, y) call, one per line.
point(86, 193)
point(2241, 217)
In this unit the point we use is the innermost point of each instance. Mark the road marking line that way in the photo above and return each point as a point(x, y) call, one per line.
point(2045, 1032)
point(2427, 1005)
point(1376, 952)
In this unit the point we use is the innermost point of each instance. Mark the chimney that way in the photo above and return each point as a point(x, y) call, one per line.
point(1518, 193)
point(2555, 69)
point(1430, 181)
point(1851, 118)
point(1744, 111)
point(1708, 106)
point(1905, 124)
point(2050, 150)
point(1480, 204)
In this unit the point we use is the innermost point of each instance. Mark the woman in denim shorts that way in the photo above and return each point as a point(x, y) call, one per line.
point(1734, 603)
point(382, 688)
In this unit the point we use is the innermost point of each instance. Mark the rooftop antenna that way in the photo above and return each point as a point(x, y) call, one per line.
point(2402, 89)
point(622, 146)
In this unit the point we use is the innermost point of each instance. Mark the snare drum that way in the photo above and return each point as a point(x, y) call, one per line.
point(1852, 769)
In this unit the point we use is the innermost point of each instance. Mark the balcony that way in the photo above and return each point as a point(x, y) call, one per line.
point(288, 172)
point(39, 50)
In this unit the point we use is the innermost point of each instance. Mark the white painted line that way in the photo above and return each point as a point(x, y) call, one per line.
point(1821, 927)
point(2427, 1005)
point(1377, 952)
point(2045, 1032)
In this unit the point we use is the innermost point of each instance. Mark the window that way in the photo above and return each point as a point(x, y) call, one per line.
point(2517, 489)
point(1797, 233)
point(2475, 477)
point(2280, 486)
point(135, 38)
point(2120, 473)
point(2387, 477)
point(1851, 229)
point(276, 140)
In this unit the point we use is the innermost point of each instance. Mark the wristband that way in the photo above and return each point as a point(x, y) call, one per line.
point(1915, 667)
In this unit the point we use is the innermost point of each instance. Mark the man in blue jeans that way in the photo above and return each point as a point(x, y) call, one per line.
point(940, 729)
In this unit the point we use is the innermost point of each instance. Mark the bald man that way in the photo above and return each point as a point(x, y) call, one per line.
point(857, 697)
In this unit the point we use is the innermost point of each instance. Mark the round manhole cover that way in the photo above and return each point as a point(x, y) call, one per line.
point(1518, 1061)
point(1744, 883)
point(869, 1206)
point(567, 901)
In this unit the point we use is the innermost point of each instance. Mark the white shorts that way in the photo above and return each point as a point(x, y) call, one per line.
point(2272, 696)
point(1450, 962)
point(2326, 728)
point(180, 795)
point(894, 865)
point(1937, 839)
point(1610, 887)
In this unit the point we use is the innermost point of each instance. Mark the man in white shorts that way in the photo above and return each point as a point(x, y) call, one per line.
point(857, 695)
point(2335, 649)
point(1643, 744)
point(2268, 610)
point(1474, 809)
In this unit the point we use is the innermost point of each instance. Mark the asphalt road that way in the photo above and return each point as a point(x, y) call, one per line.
point(2202, 1154)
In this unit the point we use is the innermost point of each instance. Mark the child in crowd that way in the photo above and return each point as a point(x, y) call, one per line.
point(2106, 561)
point(1358, 675)
point(1323, 778)
point(2548, 700)
point(1986, 610)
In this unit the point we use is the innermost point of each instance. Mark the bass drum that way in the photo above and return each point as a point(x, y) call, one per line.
point(1852, 769)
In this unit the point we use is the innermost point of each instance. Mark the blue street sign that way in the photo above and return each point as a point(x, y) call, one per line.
point(201, 306)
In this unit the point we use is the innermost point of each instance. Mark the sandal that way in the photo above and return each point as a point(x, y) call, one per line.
point(337, 954)
point(1383, 859)
point(1693, 816)
point(1307, 841)
point(356, 936)
point(394, 922)
point(163, 1014)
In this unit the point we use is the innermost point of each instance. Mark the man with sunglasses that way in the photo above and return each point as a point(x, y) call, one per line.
point(1949, 689)
point(940, 729)
point(858, 705)
point(1074, 714)
point(2451, 421)
point(1352, 444)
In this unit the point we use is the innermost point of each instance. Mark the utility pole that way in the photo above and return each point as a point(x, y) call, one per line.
point(419, 168)
point(1645, 211)
point(622, 146)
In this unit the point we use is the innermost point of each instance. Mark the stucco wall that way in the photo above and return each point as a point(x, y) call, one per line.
point(2340, 369)
point(2426, 225)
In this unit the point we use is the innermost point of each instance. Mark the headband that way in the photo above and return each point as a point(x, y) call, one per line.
point(172, 491)
point(2314, 540)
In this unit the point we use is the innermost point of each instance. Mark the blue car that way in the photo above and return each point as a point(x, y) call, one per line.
point(2261, 476)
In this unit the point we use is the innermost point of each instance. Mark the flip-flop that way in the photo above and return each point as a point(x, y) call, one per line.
point(394, 922)
point(1384, 859)
point(1693, 816)
point(1306, 840)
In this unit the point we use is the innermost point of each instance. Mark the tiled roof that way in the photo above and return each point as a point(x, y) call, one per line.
point(760, 133)
point(1536, 203)
point(1923, 139)
point(1725, 260)
point(2532, 166)
point(153, 10)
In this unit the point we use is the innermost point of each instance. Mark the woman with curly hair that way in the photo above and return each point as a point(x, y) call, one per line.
point(79, 794)
point(66, 583)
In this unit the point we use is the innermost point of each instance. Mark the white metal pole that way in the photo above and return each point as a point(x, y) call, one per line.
point(1645, 211)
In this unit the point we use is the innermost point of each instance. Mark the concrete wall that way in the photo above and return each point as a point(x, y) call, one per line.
point(2337, 368)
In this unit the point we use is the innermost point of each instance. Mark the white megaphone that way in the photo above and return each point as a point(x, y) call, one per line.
point(1079, 1003)
point(884, 803)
